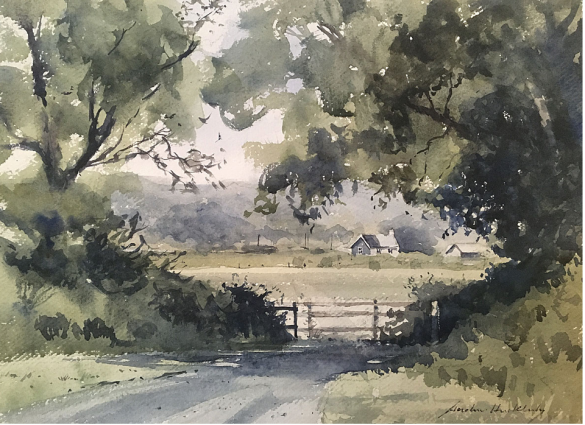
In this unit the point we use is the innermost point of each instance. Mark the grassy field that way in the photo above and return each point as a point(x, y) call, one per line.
point(321, 283)
point(325, 259)
point(370, 397)
point(304, 276)
point(29, 380)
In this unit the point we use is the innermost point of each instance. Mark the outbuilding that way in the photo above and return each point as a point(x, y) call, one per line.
point(464, 251)
point(371, 245)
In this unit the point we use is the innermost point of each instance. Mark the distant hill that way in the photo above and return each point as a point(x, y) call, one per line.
point(214, 219)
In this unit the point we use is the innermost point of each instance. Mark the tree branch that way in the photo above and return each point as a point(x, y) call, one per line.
point(192, 46)
point(330, 31)
point(432, 139)
point(446, 108)
point(95, 138)
point(25, 145)
point(119, 40)
point(563, 27)
point(444, 119)
point(428, 96)
point(215, 7)
point(117, 156)
point(38, 67)
point(152, 92)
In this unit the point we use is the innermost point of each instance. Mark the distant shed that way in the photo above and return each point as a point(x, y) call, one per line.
point(464, 251)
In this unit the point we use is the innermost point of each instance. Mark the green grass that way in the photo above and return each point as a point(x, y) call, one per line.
point(311, 259)
point(543, 372)
point(302, 275)
point(312, 284)
point(34, 379)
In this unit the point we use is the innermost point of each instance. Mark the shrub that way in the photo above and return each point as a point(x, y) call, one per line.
point(234, 311)
point(374, 265)
point(326, 262)
point(97, 328)
point(251, 313)
point(51, 327)
point(298, 262)
point(530, 352)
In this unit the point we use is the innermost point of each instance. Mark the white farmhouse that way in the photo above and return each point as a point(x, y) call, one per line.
point(375, 244)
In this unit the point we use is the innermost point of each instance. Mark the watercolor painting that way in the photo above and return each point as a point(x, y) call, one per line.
point(276, 211)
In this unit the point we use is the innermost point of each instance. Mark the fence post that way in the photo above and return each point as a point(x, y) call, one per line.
point(435, 312)
point(309, 320)
point(295, 310)
point(376, 311)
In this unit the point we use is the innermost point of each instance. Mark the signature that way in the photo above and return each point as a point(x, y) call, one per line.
point(495, 409)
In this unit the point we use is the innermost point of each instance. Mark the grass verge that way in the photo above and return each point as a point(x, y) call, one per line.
point(29, 380)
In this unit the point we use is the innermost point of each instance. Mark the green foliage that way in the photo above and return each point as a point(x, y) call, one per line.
point(529, 352)
point(99, 100)
point(461, 105)
point(438, 104)
point(234, 311)
point(326, 262)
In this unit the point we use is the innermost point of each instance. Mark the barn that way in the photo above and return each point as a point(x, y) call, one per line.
point(464, 251)
point(371, 245)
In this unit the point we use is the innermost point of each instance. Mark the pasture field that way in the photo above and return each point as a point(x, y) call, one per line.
point(330, 286)
point(299, 279)
point(316, 284)
point(311, 259)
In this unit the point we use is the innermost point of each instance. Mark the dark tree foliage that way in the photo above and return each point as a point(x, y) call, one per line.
point(251, 313)
point(113, 263)
point(179, 306)
point(59, 326)
point(97, 328)
point(235, 311)
point(51, 327)
point(48, 261)
point(517, 176)
point(318, 176)
point(113, 256)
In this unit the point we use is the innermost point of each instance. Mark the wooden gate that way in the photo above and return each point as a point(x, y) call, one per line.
point(341, 309)
point(372, 310)
point(295, 311)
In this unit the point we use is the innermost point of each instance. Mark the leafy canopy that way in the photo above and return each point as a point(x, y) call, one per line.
point(463, 105)
point(86, 84)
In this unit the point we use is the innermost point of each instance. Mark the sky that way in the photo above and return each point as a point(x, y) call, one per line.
point(215, 37)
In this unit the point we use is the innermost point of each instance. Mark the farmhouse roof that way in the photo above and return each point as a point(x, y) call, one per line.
point(370, 240)
point(465, 248)
point(388, 241)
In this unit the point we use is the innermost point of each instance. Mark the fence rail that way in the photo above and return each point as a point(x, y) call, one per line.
point(358, 303)
point(374, 312)
point(314, 310)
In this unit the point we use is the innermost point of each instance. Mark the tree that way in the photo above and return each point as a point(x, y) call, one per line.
point(85, 87)
point(474, 108)
point(88, 85)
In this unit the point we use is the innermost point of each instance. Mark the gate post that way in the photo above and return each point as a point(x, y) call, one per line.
point(435, 312)
point(376, 312)
point(309, 320)
point(295, 310)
